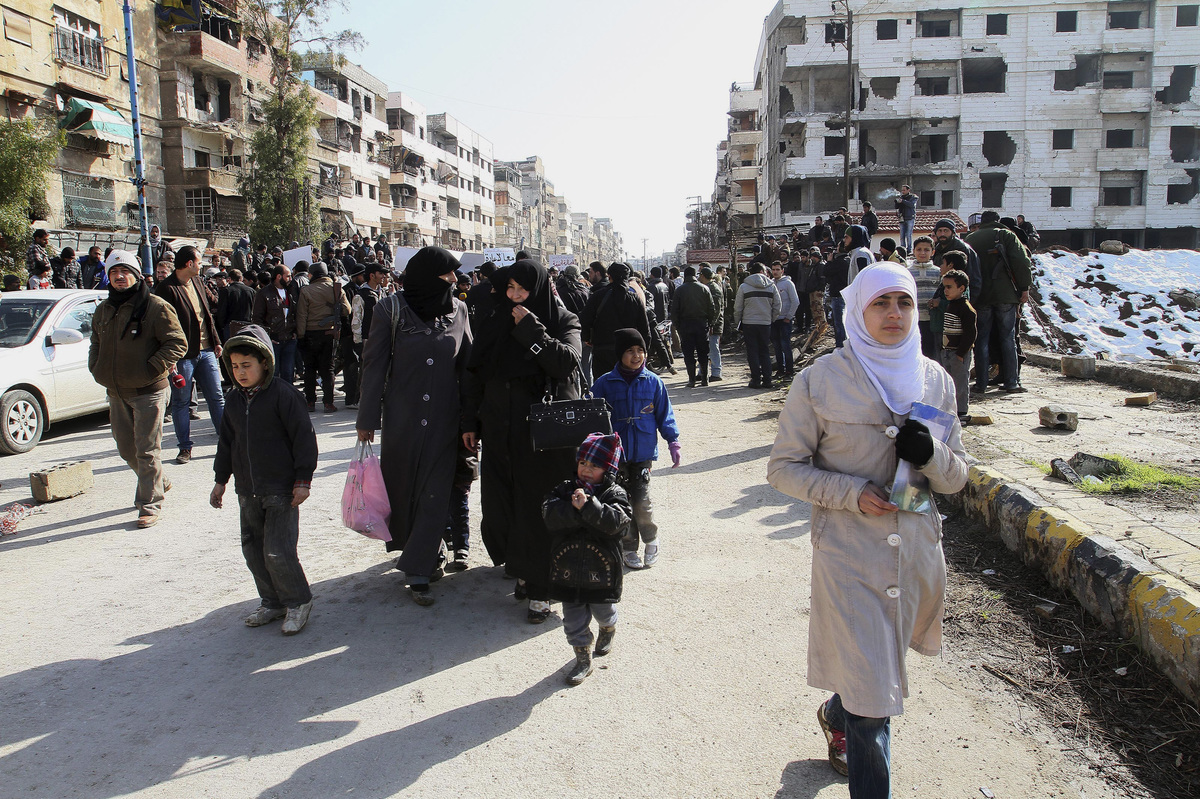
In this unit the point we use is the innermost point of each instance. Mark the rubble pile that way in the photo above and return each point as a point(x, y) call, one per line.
point(1137, 306)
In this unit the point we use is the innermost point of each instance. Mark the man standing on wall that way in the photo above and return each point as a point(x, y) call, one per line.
point(906, 206)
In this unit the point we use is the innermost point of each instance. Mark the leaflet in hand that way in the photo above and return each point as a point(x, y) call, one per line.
point(910, 488)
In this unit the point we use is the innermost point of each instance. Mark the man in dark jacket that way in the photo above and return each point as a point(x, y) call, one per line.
point(274, 310)
point(660, 292)
point(136, 339)
point(945, 233)
point(869, 219)
point(610, 307)
point(91, 270)
point(66, 273)
point(235, 303)
point(693, 313)
point(348, 349)
point(906, 205)
point(1007, 277)
point(184, 292)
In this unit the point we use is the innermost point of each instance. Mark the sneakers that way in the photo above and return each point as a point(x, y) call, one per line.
point(604, 641)
point(1014, 389)
point(539, 611)
point(264, 615)
point(149, 520)
point(184, 456)
point(651, 555)
point(582, 668)
point(421, 594)
point(459, 563)
point(631, 559)
point(296, 618)
point(836, 740)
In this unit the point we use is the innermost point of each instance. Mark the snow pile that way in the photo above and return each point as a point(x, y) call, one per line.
point(1118, 305)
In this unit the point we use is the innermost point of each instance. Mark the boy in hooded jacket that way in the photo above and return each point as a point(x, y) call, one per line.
point(641, 411)
point(587, 516)
point(267, 443)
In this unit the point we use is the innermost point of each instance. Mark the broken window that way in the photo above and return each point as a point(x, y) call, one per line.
point(835, 145)
point(1179, 90)
point(1128, 16)
point(1186, 16)
point(885, 88)
point(886, 29)
point(1180, 193)
point(1118, 138)
point(1060, 196)
point(786, 103)
point(938, 24)
point(1121, 188)
point(224, 110)
point(992, 185)
point(1185, 144)
point(790, 198)
point(1066, 22)
point(998, 148)
point(1063, 139)
point(1118, 80)
point(927, 199)
point(936, 78)
point(202, 159)
point(983, 75)
point(835, 32)
point(1087, 70)
point(948, 198)
point(200, 92)
point(997, 24)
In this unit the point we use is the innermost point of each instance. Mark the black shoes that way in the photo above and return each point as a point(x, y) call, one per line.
point(604, 641)
point(704, 381)
point(582, 668)
point(755, 384)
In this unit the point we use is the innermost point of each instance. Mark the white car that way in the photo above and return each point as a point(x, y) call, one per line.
point(43, 363)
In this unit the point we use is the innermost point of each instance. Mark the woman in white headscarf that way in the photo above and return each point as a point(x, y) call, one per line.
point(878, 573)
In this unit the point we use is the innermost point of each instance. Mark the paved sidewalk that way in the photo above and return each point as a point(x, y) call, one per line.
point(1166, 433)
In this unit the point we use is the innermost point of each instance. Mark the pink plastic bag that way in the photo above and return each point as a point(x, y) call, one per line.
point(365, 506)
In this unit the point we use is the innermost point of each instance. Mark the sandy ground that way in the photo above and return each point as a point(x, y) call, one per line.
point(127, 671)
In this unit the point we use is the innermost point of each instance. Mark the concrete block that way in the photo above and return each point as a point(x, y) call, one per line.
point(1114, 247)
point(1142, 399)
point(1058, 417)
point(61, 482)
point(1062, 470)
point(1080, 366)
point(1086, 465)
point(982, 419)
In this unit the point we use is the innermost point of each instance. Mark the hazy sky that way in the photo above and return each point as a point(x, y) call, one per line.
point(624, 100)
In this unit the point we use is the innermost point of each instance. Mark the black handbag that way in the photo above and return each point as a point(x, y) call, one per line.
point(564, 424)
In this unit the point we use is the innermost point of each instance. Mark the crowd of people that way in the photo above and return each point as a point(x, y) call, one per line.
point(445, 366)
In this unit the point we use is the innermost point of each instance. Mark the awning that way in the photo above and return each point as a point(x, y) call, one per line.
point(97, 121)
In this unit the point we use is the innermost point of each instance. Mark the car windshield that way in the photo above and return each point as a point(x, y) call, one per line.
point(20, 319)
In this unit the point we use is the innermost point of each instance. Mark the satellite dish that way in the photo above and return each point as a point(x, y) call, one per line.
point(60, 103)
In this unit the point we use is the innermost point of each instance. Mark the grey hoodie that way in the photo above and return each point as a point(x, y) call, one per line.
point(757, 301)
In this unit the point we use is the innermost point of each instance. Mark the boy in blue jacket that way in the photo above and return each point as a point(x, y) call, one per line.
point(641, 410)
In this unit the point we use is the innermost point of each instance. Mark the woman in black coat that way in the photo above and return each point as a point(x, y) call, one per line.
point(527, 348)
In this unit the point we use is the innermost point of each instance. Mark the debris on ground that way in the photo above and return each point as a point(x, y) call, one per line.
point(1113, 711)
point(1086, 465)
point(13, 515)
point(1061, 470)
point(1149, 398)
point(1058, 417)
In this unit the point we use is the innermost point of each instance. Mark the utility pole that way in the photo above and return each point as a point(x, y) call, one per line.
point(644, 267)
point(139, 178)
point(849, 42)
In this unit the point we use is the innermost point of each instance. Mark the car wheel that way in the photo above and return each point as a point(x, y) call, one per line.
point(21, 422)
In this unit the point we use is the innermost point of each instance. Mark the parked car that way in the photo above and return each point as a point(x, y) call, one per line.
point(43, 363)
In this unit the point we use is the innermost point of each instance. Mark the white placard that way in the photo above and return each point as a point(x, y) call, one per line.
point(500, 256)
point(293, 257)
point(561, 261)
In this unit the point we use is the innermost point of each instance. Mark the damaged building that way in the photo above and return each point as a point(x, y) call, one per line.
point(1085, 117)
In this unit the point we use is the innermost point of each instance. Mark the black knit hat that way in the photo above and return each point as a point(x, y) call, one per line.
point(625, 338)
point(947, 223)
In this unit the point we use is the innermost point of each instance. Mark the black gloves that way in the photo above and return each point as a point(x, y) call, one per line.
point(914, 444)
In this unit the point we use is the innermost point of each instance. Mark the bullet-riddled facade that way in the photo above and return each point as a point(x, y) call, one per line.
point(1082, 116)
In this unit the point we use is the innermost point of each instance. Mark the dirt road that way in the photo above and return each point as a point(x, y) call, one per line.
point(127, 670)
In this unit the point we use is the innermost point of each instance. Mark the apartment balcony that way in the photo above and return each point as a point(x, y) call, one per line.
point(744, 102)
point(1126, 101)
point(1135, 40)
point(743, 206)
point(744, 173)
point(818, 166)
point(1123, 158)
point(222, 181)
point(326, 106)
point(210, 55)
point(938, 106)
point(740, 138)
point(800, 57)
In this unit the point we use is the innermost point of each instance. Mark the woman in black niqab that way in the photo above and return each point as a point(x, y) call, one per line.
point(426, 289)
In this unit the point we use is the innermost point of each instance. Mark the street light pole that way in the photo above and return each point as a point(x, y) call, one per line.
point(849, 104)
point(139, 178)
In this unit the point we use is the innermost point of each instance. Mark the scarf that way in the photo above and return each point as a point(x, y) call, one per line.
point(139, 293)
point(895, 370)
point(424, 290)
point(496, 351)
point(630, 374)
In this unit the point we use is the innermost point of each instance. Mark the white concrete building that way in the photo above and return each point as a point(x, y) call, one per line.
point(737, 191)
point(352, 146)
point(1083, 116)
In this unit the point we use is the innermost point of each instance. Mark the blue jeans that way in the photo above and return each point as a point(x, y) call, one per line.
point(758, 352)
point(781, 339)
point(285, 359)
point(714, 354)
point(906, 231)
point(1005, 317)
point(868, 750)
point(837, 306)
point(203, 368)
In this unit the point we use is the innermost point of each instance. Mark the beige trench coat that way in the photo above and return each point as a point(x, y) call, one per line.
point(878, 581)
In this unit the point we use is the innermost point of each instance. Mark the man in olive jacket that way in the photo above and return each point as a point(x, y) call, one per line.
point(136, 339)
point(1004, 262)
